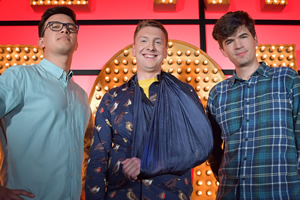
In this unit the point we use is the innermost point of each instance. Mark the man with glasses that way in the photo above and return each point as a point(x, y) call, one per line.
point(45, 115)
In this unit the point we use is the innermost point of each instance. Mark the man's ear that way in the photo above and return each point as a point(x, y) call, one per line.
point(41, 42)
point(256, 40)
point(133, 50)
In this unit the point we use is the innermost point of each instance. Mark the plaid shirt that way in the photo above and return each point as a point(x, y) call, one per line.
point(259, 121)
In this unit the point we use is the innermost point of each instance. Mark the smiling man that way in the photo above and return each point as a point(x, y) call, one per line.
point(149, 132)
point(45, 115)
point(256, 113)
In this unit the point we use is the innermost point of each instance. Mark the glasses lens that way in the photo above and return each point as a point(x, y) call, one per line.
point(72, 28)
point(56, 26)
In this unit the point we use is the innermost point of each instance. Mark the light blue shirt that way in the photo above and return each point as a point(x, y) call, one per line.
point(45, 117)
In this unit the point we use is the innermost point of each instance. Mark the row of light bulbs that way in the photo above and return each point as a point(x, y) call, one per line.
point(276, 2)
point(18, 50)
point(279, 49)
point(58, 2)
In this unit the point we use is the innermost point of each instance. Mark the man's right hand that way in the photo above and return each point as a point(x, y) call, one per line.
point(9, 194)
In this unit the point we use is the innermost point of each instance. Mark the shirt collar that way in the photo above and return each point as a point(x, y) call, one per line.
point(263, 70)
point(58, 72)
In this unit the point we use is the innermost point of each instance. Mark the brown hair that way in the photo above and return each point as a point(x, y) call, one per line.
point(229, 23)
point(151, 23)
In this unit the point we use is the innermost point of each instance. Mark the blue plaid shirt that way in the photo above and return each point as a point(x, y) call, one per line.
point(259, 122)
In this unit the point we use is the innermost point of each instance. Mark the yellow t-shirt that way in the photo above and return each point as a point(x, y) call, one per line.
point(145, 84)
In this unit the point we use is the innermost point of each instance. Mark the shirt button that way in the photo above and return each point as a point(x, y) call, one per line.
point(247, 120)
point(243, 178)
point(247, 102)
point(245, 158)
point(248, 86)
point(246, 139)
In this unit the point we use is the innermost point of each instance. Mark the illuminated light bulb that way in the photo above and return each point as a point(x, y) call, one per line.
point(216, 80)
point(116, 71)
point(264, 57)
point(107, 79)
point(170, 44)
point(125, 70)
point(280, 49)
point(26, 58)
point(197, 53)
point(8, 57)
point(116, 62)
point(274, 65)
point(163, 1)
point(170, 1)
point(17, 57)
point(281, 57)
point(208, 183)
point(197, 62)
point(214, 2)
point(62, 2)
point(134, 70)
point(125, 53)
point(198, 172)
point(116, 79)
point(199, 193)
point(188, 79)
point(207, 163)
point(9, 49)
point(205, 70)
point(188, 70)
point(206, 79)
point(107, 70)
point(78, 2)
point(206, 98)
point(282, 65)
point(26, 49)
point(41, 2)
point(256, 54)
point(84, 2)
point(197, 70)
point(98, 88)
point(289, 49)
point(41, 56)
point(125, 62)
point(215, 70)
point(179, 71)
point(282, 1)
point(188, 62)
point(134, 62)
point(34, 3)
point(217, 183)
point(55, 2)
point(273, 57)
point(208, 172)
point(106, 88)
point(14, 64)
point(272, 49)
point(199, 182)
point(220, 1)
point(262, 48)
point(170, 61)
point(35, 50)
point(18, 50)
point(179, 61)
point(290, 57)
point(188, 53)
point(69, 2)
point(125, 79)
point(208, 192)
point(97, 106)
point(198, 89)
point(170, 53)
point(171, 70)
point(24, 64)
point(205, 62)
point(291, 65)
point(206, 88)
point(198, 79)
point(179, 53)
point(7, 65)
point(98, 96)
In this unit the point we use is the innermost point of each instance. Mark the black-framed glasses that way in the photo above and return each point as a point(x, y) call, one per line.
point(58, 26)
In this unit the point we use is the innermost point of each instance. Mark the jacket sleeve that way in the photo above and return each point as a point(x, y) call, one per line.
point(98, 162)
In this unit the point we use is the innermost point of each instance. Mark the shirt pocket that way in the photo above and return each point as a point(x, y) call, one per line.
point(229, 117)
